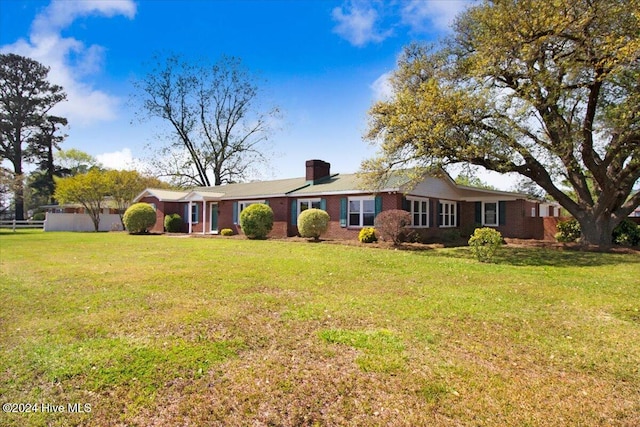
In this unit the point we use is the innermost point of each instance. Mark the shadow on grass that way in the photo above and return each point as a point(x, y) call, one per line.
point(518, 256)
point(560, 258)
point(549, 257)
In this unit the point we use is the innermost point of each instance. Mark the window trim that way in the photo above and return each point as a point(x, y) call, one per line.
point(484, 220)
point(452, 214)
point(309, 203)
point(421, 200)
point(361, 200)
point(195, 211)
point(243, 204)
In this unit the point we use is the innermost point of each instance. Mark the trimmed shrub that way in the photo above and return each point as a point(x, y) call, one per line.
point(226, 232)
point(39, 216)
point(484, 243)
point(256, 221)
point(139, 218)
point(173, 223)
point(568, 231)
point(627, 233)
point(393, 225)
point(312, 223)
point(367, 235)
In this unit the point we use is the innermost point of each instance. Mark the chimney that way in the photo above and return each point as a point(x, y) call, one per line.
point(317, 170)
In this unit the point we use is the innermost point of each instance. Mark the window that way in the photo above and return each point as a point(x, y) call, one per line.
point(419, 209)
point(304, 204)
point(362, 212)
point(490, 214)
point(245, 204)
point(240, 206)
point(447, 213)
point(195, 210)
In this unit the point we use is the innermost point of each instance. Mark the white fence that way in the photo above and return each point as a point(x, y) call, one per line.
point(80, 222)
point(27, 223)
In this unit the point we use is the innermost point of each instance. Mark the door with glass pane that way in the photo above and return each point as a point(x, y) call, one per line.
point(214, 217)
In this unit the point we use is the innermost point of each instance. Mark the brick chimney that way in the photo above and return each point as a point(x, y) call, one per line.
point(317, 170)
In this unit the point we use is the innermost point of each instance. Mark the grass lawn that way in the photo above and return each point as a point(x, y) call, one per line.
point(117, 330)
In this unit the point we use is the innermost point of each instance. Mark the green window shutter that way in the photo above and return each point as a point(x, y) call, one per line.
point(294, 212)
point(458, 214)
point(478, 209)
point(323, 204)
point(406, 204)
point(235, 212)
point(432, 213)
point(378, 202)
point(343, 212)
point(502, 213)
point(266, 202)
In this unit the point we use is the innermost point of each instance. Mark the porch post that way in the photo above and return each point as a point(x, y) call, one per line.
point(190, 216)
point(204, 215)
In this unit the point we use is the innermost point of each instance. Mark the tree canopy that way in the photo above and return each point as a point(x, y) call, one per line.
point(88, 189)
point(216, 125)
point(550, 90)
point(95, 188)
point(27, 130)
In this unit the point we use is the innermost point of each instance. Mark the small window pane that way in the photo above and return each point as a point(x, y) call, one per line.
point(490, 213)
point(368, 206)
point(368, 219)
point(354, 219)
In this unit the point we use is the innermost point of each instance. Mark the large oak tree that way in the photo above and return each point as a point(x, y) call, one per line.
point(27, 131)
point(547, 89)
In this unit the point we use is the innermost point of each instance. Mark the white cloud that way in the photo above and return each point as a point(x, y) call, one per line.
point(71, 60)
point(61, 13)
point(381, 87)
point(424, 16)
point(357, 24)
point(121, 160)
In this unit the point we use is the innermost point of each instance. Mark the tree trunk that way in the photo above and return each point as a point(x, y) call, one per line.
point(95, 217)
point(597, 232)
point(18, 200)
point(18, 193)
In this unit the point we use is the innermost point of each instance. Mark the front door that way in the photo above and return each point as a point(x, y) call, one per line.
point(214, 217)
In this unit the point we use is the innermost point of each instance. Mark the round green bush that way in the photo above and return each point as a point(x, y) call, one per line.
point(484, 243)
point(139, 217)
point(39, 216)
point(568, 231)
point(626, 233)
point(226, 232)
point(173, 223)
point(367, 235)
point(256, 221)
point(312, 223)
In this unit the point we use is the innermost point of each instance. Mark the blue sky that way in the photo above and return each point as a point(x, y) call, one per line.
point(323, 62)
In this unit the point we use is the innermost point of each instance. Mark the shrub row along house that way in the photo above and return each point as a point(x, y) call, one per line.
point(438, 206)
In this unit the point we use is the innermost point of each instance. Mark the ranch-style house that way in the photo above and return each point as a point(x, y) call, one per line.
point(437, 205)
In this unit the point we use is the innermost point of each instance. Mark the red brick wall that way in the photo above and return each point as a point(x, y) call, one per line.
point(159, 225)
point(335, 231)
point(519, 223)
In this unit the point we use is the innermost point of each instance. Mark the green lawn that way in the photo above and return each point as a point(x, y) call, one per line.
point(158, 330)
